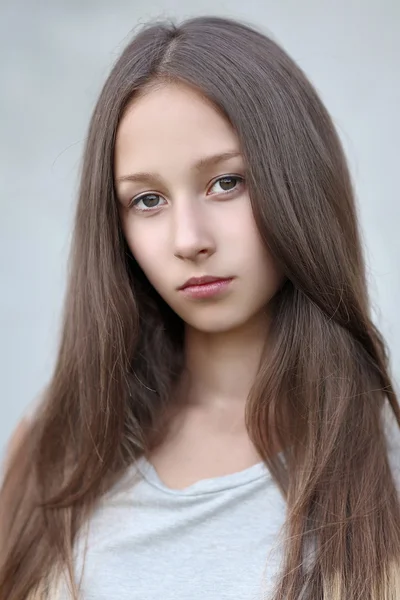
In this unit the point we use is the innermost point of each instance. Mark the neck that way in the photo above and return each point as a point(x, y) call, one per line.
point(222, 366)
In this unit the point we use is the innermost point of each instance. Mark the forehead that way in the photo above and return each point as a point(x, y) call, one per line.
point(168, 126)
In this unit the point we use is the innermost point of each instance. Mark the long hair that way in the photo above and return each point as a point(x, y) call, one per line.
point(322, 385)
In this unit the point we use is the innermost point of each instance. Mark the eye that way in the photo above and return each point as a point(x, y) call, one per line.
point(228, 183)
point(150, 202)
point(147, 202)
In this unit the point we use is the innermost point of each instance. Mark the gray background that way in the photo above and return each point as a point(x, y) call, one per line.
point(54, 58)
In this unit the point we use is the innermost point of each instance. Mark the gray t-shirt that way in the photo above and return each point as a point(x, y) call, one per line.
point(217, 539)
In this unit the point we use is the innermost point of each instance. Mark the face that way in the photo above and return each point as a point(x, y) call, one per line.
point(186, 212)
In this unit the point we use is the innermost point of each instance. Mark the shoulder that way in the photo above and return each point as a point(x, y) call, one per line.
point(392, 431)
point(20, 431)
point(16, 440)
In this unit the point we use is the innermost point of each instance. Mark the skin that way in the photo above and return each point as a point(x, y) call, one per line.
point(191, 225)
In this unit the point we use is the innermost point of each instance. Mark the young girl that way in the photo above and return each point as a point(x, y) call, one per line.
point(221, 423)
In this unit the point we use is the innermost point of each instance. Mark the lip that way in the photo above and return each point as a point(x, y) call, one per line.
point(202, 280)
point(205, 287)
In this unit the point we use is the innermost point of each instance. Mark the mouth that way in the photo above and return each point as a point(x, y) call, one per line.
point(205, 287)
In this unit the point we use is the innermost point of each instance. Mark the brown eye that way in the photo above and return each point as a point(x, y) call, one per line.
point(149, 202)
point(228, 183)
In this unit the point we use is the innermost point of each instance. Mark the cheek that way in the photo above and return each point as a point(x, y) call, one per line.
point(145, 248)
point(149, 248)
point(253, 255)
point(241, 232)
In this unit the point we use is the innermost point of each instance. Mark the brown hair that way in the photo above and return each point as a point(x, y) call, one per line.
point(322, 389)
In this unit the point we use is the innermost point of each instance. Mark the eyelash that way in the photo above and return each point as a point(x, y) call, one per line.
point(135, 201)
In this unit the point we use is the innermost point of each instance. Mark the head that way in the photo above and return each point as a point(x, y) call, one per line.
point(185, 210)
point(278, 219)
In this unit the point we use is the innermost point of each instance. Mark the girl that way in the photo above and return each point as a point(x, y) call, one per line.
point(217, 423)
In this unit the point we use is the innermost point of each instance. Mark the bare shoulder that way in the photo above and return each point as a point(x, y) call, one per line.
point(18, 434)
point(392, 431)
point(17, 438)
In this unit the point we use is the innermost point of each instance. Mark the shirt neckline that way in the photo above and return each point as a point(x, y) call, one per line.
point(205, 486)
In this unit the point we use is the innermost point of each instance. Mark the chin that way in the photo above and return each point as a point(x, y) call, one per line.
point(216, 324)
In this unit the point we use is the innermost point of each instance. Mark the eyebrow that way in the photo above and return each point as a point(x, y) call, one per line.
point(200, 165)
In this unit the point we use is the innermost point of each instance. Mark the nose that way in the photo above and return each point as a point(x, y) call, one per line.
point(192, 235)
